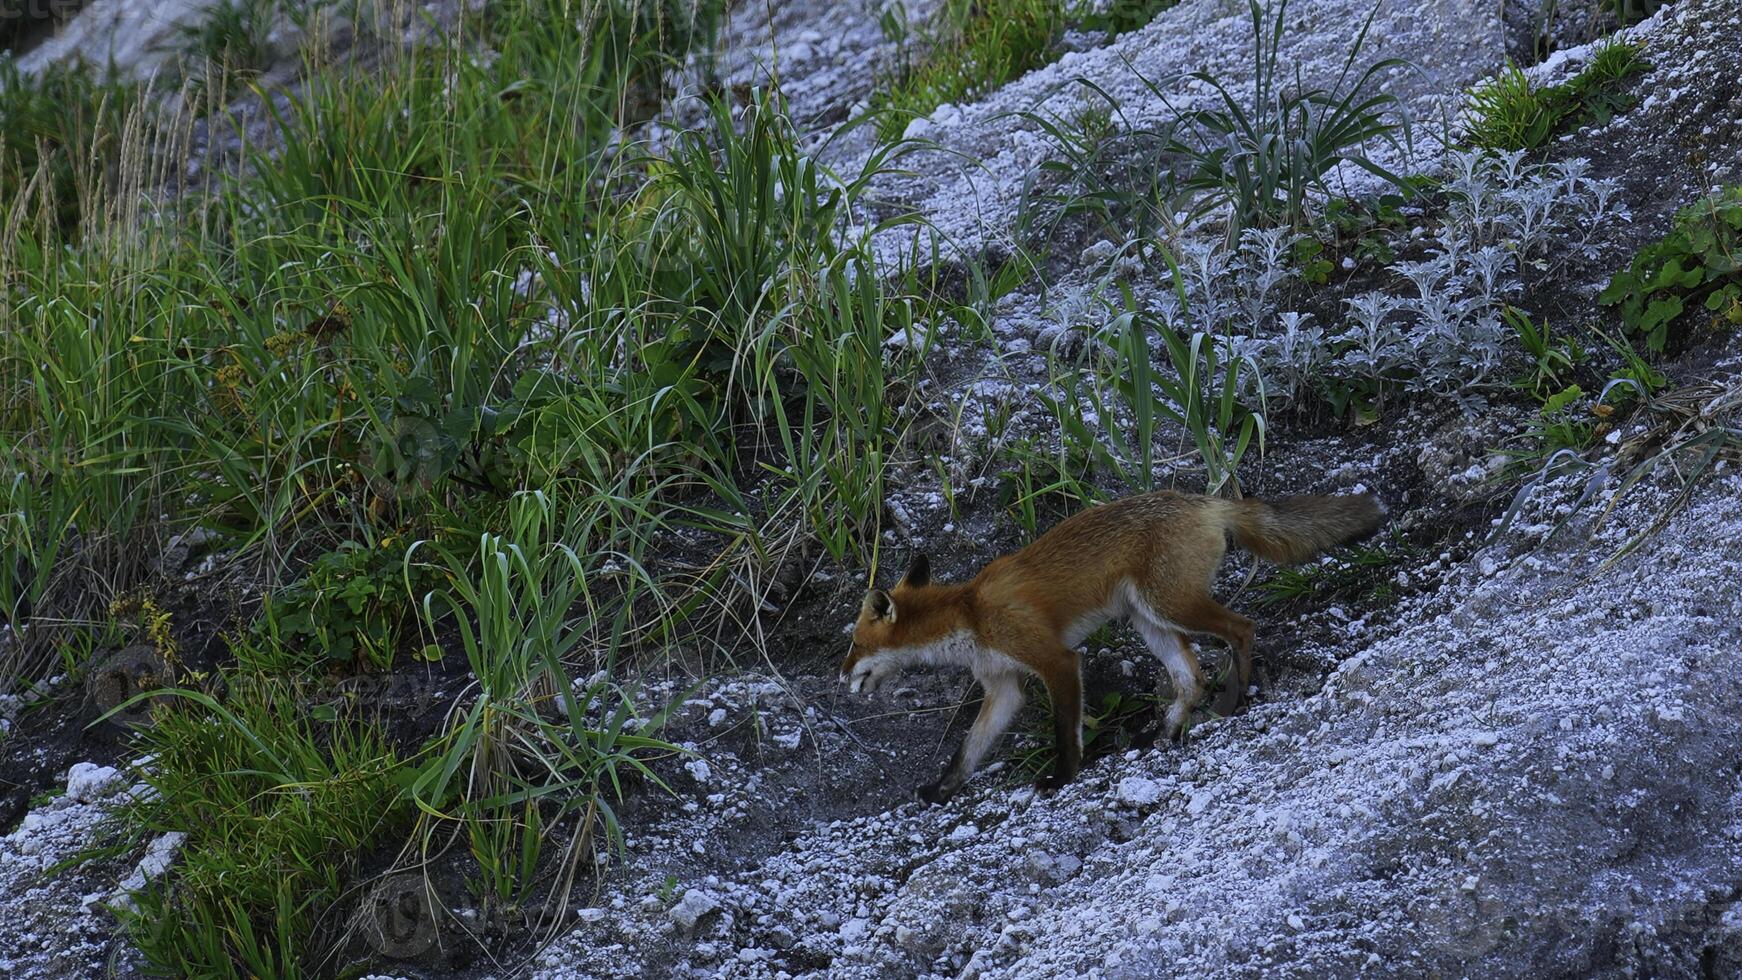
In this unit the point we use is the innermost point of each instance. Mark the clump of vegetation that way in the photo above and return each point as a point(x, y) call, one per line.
point(278, 808)
point(1263, 155)
point(1506, 112)
point(1445, 332)
point(533, 749)
point(1363, 232)
point(60, 133)
point(1268, 155)
point(1138, 382)
point(1553, 357)
point(1360, 572)
point(1630, 12)
point(1698, 264)
point(969, 47)
point(233, 38)
point(450, 302)
point(350, 610)
point(1197, 390)
point(1121, 721)
point(1115, 17)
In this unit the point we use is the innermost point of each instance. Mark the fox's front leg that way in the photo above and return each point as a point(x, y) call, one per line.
point(1064, 683)
point(1002, 699)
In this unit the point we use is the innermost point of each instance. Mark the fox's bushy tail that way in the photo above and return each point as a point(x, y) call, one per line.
point(1292, 529)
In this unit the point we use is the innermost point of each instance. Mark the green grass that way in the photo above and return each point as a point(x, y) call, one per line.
point(60, 132)
point(445, 306)
point(232, 39)
point(1267, 153)
point(532, 749)
point(1196, 392)
point(1506, 112)
point(278, 808)
point(969, 48)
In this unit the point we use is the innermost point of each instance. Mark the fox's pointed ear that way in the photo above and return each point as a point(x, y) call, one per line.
point(919, 572)
point(879, 605)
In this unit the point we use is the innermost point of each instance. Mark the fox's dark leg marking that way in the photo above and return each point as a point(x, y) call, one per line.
point(1003, 698)
point(934, 791)
point(1065, 686)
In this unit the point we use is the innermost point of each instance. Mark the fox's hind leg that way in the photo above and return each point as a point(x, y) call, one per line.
point(1171, 647)
point(1206, 615)
point(1002, 699)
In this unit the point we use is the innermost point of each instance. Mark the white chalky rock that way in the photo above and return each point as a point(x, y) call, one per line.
point(158, 855)
point(1138, 791)
point(690, 909)
point(87, 782)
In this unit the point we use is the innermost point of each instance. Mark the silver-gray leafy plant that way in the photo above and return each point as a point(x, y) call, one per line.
point(1506, 220)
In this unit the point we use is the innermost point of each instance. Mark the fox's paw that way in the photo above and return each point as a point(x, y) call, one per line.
point(1047, 784)
point(1228, 701)
point(1174, 723)
point(934, 793)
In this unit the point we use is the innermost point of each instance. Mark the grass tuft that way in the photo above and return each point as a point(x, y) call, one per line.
point(1507, 113)
point(278, 807)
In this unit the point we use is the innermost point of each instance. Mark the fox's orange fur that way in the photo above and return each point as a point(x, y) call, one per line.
point(1148, 559)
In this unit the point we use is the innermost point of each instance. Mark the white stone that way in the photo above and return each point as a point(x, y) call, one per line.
point(1139, 791)
point(87, 782)
point(689, 909)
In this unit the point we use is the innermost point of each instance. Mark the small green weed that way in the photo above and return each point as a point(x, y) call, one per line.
point(1565, 426)
point(1560, 425)
point(1120, 177)
point(1265, 155)
point(1034, 483)
point(1630, 12)
point(351, 609)
point(1507, 113)
point(1635, 378)
point(1268, 154)
point(1359, 230)
point(1553, 358)
point(1112, 727)
point(1116, 17)
point(232, 38)
point(1698, 263)
point(1358, 573)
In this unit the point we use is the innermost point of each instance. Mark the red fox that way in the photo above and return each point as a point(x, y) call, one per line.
point(1148, 559)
